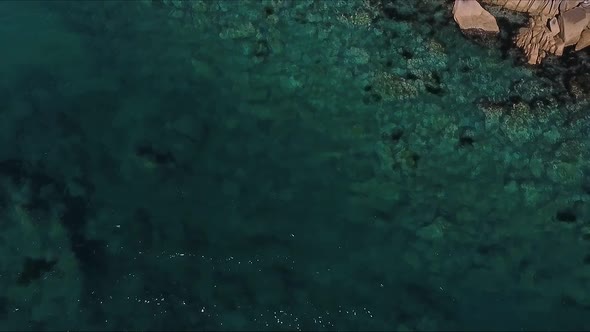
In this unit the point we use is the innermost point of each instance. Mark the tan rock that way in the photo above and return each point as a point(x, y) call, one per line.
point(572, 23)
point(553, 24)
point(537, 40)
point(469, 14)
point(584, 40)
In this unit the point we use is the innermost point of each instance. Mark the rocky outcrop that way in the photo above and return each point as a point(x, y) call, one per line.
point(553, 24)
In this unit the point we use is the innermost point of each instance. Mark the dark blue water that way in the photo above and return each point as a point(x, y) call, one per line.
point(225, 165)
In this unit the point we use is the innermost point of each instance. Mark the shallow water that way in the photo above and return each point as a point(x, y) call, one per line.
point(169, 168)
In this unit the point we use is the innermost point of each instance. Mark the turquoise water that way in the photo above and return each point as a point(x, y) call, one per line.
point(286, 165)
